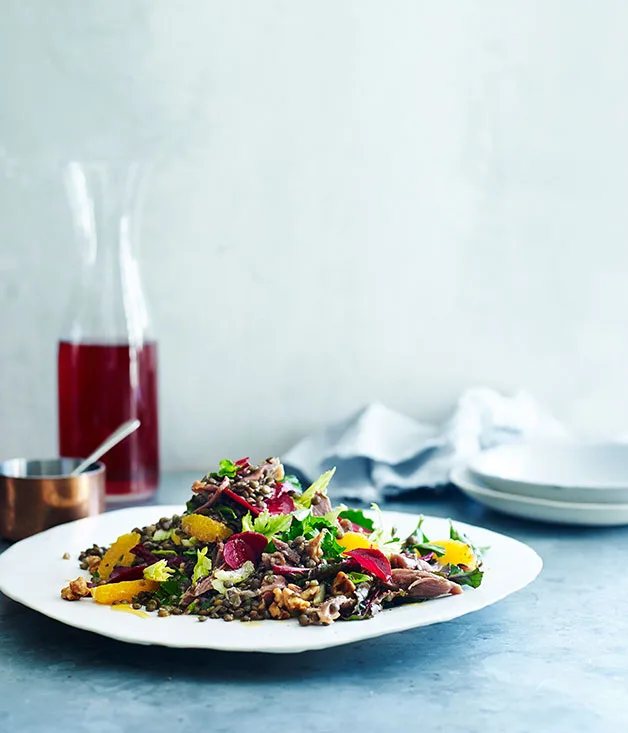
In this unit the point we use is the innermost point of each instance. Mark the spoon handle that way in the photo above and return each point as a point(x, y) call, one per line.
point(120, 434)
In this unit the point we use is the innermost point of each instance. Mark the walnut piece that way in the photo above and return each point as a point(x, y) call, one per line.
point(277, 466)
point(342, 585)
point(313, 547)
point(310, 593)
point(93, 563)
point(287, 601)
point(76, 590)
point(278, 613)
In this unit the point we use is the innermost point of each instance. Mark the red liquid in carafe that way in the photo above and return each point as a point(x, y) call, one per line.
point(100, 387)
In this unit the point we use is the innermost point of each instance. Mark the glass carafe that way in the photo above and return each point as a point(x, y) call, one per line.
point(107, 357)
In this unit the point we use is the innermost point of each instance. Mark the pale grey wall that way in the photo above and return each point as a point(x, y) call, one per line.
point(353, 200)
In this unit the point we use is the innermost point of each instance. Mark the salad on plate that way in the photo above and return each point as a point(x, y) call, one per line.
point(254, 544)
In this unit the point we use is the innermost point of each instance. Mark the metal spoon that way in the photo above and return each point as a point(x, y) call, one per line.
point(120, 434)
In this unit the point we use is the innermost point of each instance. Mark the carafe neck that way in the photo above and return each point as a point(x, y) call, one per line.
point(108, 304)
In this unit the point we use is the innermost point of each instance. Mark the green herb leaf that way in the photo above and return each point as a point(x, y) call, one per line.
point(461, 576)
point(425, 547)
point(296, 530)
point(358, 517)
point(454, 534)
point(320, 485)
point(227, 468)
point(359, 578)
point(419, 533)
point(170, 588)
point(308, 527)
point(294, 481)
point(271, 524)
point(247, 522)
point(164, 552)
point(203, 565)
point(226, 511)
point(330, 547)
point(312, 523)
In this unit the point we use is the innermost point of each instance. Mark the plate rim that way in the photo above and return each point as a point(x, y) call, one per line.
point(457, 475)
point(607, 486)
point(324, 640)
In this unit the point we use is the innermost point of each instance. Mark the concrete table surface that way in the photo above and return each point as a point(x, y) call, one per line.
point(549, 659)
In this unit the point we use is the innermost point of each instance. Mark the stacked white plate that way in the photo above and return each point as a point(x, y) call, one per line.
point(584, 484)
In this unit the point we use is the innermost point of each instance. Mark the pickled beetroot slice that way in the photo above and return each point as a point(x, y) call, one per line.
point(373, 561)
point(119, 573)
point(242, 501)
point(144, 554)
point(242, 547)
point(174, 561)
point(280, 502)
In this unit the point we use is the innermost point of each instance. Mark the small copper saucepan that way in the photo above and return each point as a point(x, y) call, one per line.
point(38, 494)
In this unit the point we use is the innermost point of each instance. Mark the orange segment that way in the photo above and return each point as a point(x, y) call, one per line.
point(118, 554)
point(123, 591)
point(204, 528)
point(353, 541)
point(456, 553)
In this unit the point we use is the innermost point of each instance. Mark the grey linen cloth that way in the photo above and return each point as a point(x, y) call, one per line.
point(380, 453)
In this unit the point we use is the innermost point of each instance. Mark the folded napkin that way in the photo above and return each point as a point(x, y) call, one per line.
point(380, 453)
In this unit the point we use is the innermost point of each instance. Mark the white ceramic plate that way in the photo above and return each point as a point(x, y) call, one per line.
point(509, 565)
point(596, 473)
point(542, 510)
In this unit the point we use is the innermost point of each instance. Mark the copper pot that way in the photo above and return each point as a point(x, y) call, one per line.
point(38, 494)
